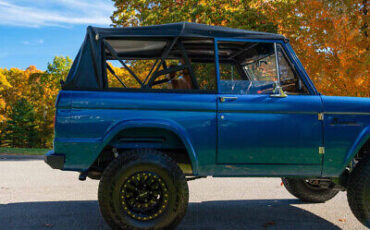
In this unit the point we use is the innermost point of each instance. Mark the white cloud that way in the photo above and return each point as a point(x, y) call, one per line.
point(31, 43)
point(62, 13)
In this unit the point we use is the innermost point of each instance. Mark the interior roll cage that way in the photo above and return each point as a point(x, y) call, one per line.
point(174, 49)
point(154, 72)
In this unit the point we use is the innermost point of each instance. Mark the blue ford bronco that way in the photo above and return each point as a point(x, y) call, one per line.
point(192, 100)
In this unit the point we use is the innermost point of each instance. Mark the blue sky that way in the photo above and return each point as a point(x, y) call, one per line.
point(32, 32)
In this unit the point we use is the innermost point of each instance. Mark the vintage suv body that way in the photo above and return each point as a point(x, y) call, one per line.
point(194, 100)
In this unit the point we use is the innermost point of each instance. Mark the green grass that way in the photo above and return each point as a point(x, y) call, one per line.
point(22, 151)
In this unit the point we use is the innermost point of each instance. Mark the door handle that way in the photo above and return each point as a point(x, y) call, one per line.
point(223, 99)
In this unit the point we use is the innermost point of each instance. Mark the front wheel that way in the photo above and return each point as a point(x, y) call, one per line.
point(143, 189)
point(358, 191)
point(308, 190)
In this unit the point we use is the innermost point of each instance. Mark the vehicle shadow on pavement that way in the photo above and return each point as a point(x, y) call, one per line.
point(21, 157)
point(208, 215)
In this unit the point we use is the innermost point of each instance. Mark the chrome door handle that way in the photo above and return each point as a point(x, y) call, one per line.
point(223, 99)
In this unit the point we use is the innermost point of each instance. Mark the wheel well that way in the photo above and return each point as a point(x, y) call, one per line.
point(364, 151)
point(160, 139)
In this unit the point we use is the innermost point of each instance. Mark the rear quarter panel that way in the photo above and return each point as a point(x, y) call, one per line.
point(94, 115)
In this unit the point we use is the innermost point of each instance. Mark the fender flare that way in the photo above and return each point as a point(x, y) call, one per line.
point(362, 138)
point(154, 123)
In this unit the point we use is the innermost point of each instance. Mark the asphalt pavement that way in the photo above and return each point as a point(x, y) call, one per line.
point(35, 197)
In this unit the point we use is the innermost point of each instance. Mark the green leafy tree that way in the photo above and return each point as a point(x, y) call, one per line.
point(20, 129)
point(59, 68)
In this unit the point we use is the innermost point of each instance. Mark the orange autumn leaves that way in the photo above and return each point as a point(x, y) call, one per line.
point(329, 36)
point(27, 99)
point(331, 39)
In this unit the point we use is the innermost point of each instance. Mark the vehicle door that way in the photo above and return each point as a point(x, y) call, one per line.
point(257, 122)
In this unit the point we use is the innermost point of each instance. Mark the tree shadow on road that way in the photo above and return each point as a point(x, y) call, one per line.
point(208, 215)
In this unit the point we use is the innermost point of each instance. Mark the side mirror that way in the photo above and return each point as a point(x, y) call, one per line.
point(278, 91)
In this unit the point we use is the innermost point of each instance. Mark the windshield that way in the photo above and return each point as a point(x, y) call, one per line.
point(262, 71)
point(255, 69)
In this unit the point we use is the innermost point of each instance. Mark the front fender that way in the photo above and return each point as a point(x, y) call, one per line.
point(362, 138)
point(153, 123)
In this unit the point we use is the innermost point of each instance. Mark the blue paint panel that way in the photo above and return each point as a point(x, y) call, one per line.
point(260, 129)
point(95, 114)
point(347, 127)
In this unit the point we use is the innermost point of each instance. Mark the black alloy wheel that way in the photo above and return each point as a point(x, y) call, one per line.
point(143, 189)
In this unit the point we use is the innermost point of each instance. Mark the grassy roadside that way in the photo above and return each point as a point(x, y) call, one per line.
point(22, 151)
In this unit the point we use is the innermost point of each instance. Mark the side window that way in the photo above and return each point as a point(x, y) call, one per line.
point(229, 72)
point(141, 69)
point(161, 65)
point(231, 80)
point(289, 79)
point(259, 69)
point(205, 75)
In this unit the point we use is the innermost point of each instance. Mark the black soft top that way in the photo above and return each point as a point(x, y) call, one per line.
point(88, 69)
point(183, 29)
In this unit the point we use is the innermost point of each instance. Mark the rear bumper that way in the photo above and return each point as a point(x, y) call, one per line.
point(56, 161)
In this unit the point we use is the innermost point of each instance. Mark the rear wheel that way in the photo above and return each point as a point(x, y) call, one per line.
point(309, 190)
point(143, 189)
point(358, 191)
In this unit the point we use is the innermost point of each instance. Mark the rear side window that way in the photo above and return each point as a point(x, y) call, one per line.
point(186, 65)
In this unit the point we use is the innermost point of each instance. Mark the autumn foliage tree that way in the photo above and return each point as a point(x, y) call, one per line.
point(329, 36)
point(29, 95)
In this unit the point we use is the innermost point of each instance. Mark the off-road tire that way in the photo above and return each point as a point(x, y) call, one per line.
point(358, 191)
point(137, 161)
point(300, 189)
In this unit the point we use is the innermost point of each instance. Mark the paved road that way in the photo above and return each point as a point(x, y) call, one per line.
point(35, 197)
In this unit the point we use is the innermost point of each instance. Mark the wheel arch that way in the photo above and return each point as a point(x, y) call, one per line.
point(361, 141)
point(167, 125)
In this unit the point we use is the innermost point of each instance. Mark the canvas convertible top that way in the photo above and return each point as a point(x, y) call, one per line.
point(89, 65)
point(183, 29)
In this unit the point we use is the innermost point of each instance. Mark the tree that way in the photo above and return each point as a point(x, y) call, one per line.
point(4, 84)
point(45, 87)
point(40, 88)
point(239, 13)
point(331, 40)
point(60, 67)
point(329, 36)
point(20, 129)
